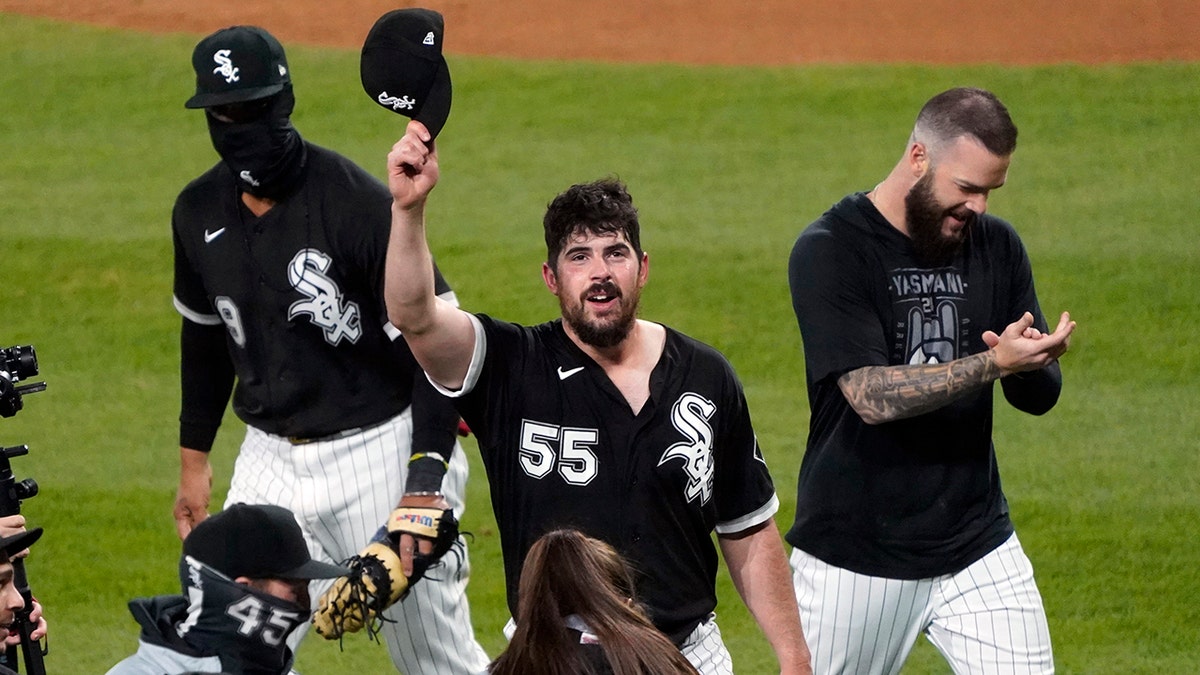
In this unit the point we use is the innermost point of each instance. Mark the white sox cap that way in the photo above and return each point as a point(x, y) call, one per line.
point(238, 64)
point(402, 66)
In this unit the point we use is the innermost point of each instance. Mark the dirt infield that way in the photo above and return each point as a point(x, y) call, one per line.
point(703, 31)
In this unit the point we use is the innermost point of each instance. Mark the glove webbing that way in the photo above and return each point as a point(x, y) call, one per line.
point(360, 599)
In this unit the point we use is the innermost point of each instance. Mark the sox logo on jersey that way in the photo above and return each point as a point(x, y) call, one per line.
point(325, 304)
point(690, 415)
point(547, 446)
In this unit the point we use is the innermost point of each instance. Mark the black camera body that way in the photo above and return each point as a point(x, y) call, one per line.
point(17, 363)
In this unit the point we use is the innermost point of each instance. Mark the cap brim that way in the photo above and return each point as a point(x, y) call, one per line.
point(235, 96)
point(16, 543)
point(437, 104)
point(315, 569)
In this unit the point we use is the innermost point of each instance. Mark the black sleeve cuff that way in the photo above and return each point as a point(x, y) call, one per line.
point(206, 380)
point(425, 473)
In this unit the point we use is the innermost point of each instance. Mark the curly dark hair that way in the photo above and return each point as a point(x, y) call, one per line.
point(600, 207)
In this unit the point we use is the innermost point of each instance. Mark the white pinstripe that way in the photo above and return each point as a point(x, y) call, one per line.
point(987, 618)
point(342, 491)
point(706, 650)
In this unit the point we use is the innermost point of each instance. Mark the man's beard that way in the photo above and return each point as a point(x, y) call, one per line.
point(924, 216)
point(612, 331)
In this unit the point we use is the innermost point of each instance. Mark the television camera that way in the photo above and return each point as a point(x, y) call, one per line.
point(17, 364)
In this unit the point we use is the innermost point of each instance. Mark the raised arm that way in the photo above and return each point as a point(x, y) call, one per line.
point(441, 336)
point(887, 393)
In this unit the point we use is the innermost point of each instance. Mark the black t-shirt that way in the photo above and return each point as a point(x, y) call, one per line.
point(562, 448)
point(299, 291)
point(917, 497)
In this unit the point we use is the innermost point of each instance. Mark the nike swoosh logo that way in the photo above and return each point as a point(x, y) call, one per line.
point(564, 374)
point(209, 236)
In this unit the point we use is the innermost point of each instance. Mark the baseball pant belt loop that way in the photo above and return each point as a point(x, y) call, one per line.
point(301, 440)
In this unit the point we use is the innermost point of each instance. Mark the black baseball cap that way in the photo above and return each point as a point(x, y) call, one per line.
point(403, 69)
point(260, 541)
point(238, 64)
point(14, 544)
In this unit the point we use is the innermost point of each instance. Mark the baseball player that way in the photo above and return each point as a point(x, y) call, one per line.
point(621, 428)
point(279, 256)
point(245, 574)
point(912, 302)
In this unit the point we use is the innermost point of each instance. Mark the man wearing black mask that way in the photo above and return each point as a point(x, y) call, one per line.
point(244, 575)
point(279, 256)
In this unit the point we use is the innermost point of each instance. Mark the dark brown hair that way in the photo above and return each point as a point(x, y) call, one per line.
point(565, 573)
point(600, 207)
point(967, 111)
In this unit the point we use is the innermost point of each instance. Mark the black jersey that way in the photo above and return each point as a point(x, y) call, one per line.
point(299, 291)
point(562, 448)
point(919, 497)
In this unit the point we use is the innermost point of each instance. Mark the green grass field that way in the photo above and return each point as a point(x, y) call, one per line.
point(727, 165)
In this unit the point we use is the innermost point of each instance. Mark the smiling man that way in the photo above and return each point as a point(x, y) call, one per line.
point(912, 301)
point(622, 428)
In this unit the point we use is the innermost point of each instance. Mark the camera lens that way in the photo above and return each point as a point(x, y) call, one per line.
point(20, 362)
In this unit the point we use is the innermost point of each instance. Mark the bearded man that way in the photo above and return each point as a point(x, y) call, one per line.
point(912, 301)
point(601, 421)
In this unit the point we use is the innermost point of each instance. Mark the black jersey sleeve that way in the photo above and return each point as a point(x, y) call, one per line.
point(838, 322)
point(1034, 392)
point(206, 378)
point(190, 296)
point(435, 424)
point(744, 492)
point(485, 400)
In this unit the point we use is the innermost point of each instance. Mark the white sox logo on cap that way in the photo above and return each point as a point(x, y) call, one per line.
point(225, 67)
point(396, 103)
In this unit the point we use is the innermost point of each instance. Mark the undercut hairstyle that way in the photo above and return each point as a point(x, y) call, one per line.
point(568, 573)
point(966, 111)
point(598, 208)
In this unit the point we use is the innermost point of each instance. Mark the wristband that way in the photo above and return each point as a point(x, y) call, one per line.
point(425, 473)
point(431, 455)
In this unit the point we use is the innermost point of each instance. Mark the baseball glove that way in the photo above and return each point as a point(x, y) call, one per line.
point(378, 582)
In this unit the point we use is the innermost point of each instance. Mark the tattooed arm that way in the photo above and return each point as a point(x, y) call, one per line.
point(887, 393)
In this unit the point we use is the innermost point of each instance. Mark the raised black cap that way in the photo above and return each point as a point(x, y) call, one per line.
point(403, 69)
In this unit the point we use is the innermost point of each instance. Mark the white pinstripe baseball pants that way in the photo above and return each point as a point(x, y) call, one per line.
point(987, 618)
point(706, 650)
point(341, 492)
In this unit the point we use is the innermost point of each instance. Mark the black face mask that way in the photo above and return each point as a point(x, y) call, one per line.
point(247, 628)
point(265, 152)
